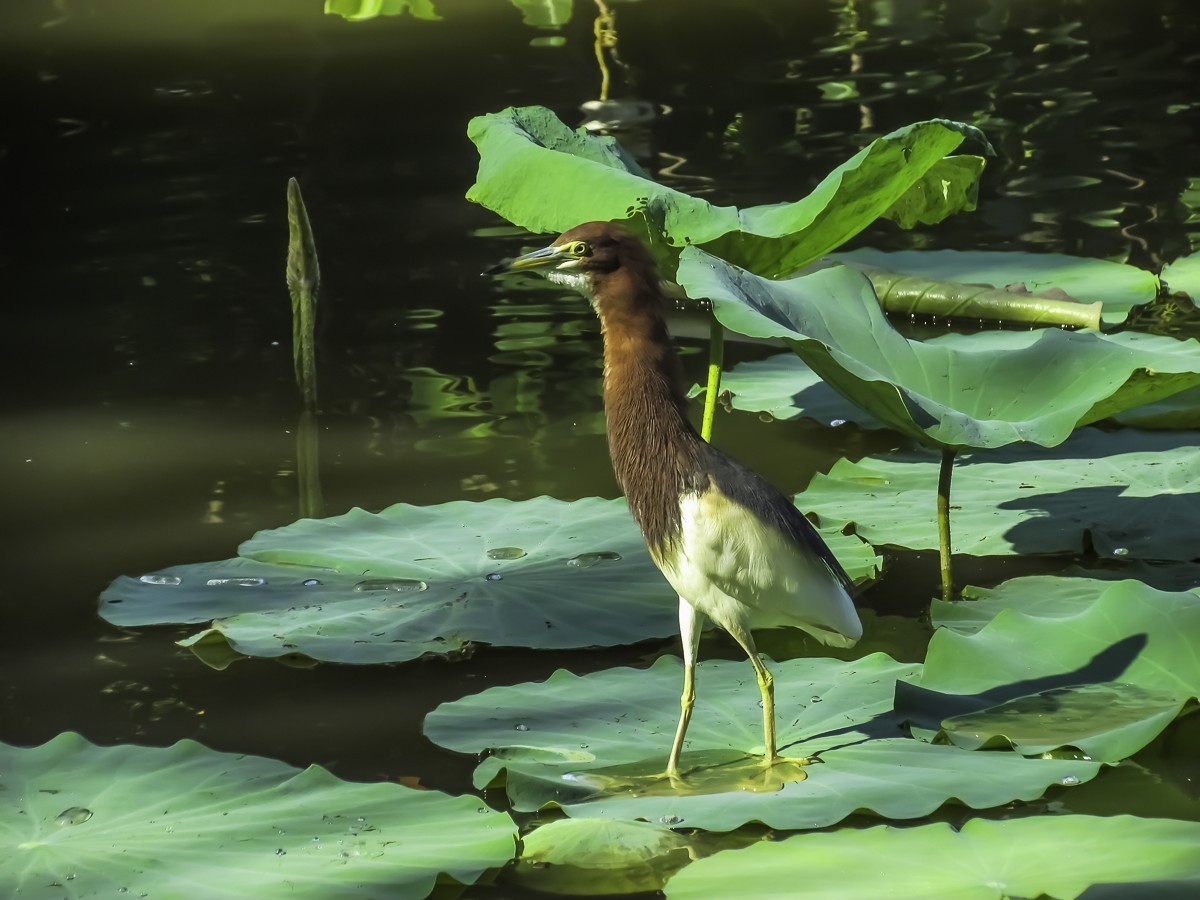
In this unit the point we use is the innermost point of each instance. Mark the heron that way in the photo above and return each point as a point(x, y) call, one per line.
point(733, 547)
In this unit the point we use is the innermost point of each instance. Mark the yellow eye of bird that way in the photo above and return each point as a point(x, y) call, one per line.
point(577, 248)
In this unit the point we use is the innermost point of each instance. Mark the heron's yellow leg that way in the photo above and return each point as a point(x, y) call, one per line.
point(766, 687)
point(690, 624)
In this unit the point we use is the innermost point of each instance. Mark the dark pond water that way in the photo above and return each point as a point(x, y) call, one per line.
point(150, 414)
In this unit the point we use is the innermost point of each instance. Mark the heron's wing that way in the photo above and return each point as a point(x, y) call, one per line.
point(765, 502)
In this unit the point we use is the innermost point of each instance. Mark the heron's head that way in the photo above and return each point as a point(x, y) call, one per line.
point(590, 258)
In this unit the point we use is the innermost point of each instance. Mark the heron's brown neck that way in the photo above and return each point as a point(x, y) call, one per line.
point(654, 448)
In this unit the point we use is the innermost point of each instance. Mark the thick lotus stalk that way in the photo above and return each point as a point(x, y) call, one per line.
point(913, 294)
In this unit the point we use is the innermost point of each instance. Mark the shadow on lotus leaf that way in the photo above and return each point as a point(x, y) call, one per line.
point(925, 708)
point(1115, 525)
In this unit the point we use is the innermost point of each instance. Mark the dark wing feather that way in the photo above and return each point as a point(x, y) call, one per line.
point(754, 492)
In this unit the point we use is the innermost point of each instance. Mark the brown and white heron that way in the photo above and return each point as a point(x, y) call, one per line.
point(731, 545)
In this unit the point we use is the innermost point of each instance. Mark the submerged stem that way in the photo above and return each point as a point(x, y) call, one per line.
point(943, 517)
point(716, 359)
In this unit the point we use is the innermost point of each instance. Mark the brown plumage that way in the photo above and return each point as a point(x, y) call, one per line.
point(731, 545)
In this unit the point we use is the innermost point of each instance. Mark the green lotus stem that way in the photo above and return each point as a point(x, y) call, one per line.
point(308, 466)
point(943, 517)
point(716, 359)
point(303, 281)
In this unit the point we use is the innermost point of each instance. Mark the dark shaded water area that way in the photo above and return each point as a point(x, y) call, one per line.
point(150, 416)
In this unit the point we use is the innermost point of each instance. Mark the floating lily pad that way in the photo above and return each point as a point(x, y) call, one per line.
point(1183, 276)
point(1127, 495)
point(386, 587)
point(540, 174)
point(996, 390)
point(596, 746)
point(600, 856)
point(1059, 662)
point(80, 820)
point(1117, 286)
point(1050, 856)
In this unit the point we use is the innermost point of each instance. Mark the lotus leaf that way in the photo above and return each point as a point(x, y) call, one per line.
point(1183, 276)
point(1042, 663)
point(80, 820)
point(386, 587)
point(1118, 287)
point(596, 745)
point(1050, 856)
point(1125, 495)
point(997, 390)
point(540, 174)
point(600, 856)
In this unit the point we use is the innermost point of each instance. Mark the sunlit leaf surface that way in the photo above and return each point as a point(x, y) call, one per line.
point(85, 821)
point(596, 746)
point(1124, 495)
point(988, 393)
point(540, 174)
point(367, 588)
point(1053, 856)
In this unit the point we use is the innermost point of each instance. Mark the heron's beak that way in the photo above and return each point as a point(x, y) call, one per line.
point(538, 259)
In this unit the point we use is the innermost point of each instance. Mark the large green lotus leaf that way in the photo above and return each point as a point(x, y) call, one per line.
point(1048, 596)
point(85, 821)
point(1123, 495)
point(1046, 856)
point(596, 746)
point(1118, 287)
point(1061, 662)
point(997, 389)
point(411, 580)
point(540, 174)
point(600, 856)
point(1183, 276)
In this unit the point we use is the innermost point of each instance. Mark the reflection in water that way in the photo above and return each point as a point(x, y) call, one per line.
point(704, 772)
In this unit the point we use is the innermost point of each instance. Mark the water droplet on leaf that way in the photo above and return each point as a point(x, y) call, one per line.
point(506, 553)
point(73, 815)
point(493, 576)
point(236, 582)
point(587, 560)
point(165, 580)
point(401, 585)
